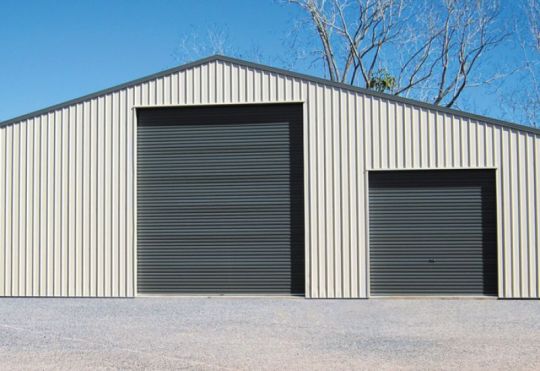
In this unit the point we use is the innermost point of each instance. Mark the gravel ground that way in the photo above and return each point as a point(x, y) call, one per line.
point(268, 333)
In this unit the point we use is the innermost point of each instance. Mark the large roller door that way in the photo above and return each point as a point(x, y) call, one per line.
point(433, 232)
point(220, 200)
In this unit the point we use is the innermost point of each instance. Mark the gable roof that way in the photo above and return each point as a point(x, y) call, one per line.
point(283, 72)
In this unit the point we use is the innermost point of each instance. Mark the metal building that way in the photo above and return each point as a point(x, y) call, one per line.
point(224, 176)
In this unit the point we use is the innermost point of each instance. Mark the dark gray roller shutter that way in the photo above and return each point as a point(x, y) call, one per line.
point(433, 232)
point(220, 200)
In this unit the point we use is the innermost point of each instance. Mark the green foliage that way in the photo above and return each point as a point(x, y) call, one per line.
point(382, 81)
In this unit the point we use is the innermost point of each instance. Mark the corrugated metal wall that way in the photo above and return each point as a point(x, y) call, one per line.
point(67, 181)
point(67, 201)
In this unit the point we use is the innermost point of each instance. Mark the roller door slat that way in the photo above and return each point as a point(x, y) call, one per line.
point(220, 200)
point(432, 233)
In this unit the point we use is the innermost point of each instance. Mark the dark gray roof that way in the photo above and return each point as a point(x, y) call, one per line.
point(281, 72)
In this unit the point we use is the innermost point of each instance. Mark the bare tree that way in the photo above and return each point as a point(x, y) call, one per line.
point(532, 108)
point(429, 50)
point(521, 98)
point(351, 46)
point(200, 43)
point(533, 14)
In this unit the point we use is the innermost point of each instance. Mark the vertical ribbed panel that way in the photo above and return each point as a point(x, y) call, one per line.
point(433, 232)
point(63, 186)
point(433, 140)
point(68, 187)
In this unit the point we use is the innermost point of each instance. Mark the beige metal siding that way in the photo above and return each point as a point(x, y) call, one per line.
point(64, 204)
point(432, 140)
point(68, 187)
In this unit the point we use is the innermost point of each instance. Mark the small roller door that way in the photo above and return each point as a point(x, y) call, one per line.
point(432, 233)
point(220, 200)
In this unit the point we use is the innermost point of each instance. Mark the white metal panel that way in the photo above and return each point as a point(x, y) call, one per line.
point(68, 186)
point(70, 202)
point(3, 211)
point(62, 213)
point(535, 223)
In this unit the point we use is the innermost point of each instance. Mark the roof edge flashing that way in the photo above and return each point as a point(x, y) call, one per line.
point(314, 79)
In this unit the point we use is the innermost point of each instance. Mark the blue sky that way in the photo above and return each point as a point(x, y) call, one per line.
point(52, 51)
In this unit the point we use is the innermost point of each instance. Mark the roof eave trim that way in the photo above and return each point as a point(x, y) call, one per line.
point(391, 97)
point(109, 90)
point(280, 71)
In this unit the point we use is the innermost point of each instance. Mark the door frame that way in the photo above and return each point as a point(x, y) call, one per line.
point(300, 125)
point(496, 184)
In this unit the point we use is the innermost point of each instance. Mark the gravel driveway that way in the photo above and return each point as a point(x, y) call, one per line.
point(268, 333)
